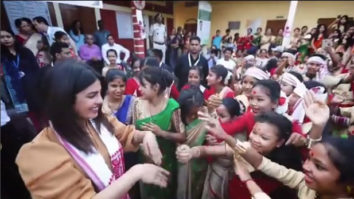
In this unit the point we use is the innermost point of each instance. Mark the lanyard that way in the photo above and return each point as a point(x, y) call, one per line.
point(17, 63)
point(190, 62)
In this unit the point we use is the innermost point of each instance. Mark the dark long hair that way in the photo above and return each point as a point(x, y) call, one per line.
point(288, 156)
point(65, 80)
point(5, 50)
point(73, 27)
point(220, 71)
point(271, 63)
point(154, 76)
point(346, 24)
point(341, 153)
point(271, 87)
point(188, 99)
point(232, 106)
point(317, 33)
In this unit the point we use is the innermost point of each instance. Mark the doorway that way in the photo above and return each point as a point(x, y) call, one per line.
point(190, 27)
point(275, 25)
point(85, 15)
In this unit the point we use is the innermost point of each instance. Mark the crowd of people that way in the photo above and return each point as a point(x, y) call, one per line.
point(83, 117)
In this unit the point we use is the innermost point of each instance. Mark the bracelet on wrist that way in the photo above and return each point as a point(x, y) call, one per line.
point(311, 142)
point(248, 180)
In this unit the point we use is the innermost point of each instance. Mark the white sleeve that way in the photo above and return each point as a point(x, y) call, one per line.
point(126, 53)
point(289, 177)
point(260, 195)
point(104, 54)
point(4, 116)
point(151, 31)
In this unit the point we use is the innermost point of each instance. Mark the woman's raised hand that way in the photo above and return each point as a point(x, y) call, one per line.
point(214, 101)
point(316, 111)
point(213, 126)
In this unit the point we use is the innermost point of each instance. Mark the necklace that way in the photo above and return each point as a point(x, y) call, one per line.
point(115, 106)
point(158, 107)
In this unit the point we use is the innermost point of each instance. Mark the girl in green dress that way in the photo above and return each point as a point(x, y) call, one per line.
point(219, 170)
point(155, 112)
point(191, 176)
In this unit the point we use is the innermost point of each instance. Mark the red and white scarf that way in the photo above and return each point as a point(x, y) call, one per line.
point(94, 165)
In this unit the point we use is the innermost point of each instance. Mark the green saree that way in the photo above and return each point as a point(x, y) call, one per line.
point(191, 176)
point(168, 148)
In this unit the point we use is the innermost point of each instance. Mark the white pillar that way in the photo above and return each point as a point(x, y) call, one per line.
point(289, 24)
point(97, 14)
point(58, 14)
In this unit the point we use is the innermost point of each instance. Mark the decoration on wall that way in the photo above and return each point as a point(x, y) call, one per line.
point(139, 4)
point(234, 25)
point(139, 34)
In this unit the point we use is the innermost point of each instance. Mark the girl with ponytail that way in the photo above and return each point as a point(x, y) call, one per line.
point(155, 112)
point(218, 79)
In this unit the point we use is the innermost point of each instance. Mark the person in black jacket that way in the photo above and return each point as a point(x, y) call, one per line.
point(192, 58)
point(17, 65)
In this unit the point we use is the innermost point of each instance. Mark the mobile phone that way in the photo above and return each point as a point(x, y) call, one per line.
point(326, 43)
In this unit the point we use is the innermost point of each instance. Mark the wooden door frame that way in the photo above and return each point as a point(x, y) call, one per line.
point(275, 31)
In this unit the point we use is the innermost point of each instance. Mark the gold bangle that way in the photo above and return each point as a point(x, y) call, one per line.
point(311, 142)
point(248, 180)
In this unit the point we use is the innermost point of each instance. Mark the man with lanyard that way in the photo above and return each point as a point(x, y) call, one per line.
point(158, 35)
point(192, 58)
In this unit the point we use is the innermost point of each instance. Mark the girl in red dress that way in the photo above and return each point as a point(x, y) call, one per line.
point(132, 85)
point(268, 138)
point(317, 38)
point(195, 76)
point(264, 98)
point(217, 79)
point(249, 79)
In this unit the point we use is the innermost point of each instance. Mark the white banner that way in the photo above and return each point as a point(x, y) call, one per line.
point(125, 25)
point(289, 24)
point(29, 9)
point(204, 24)
point(93, 4)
